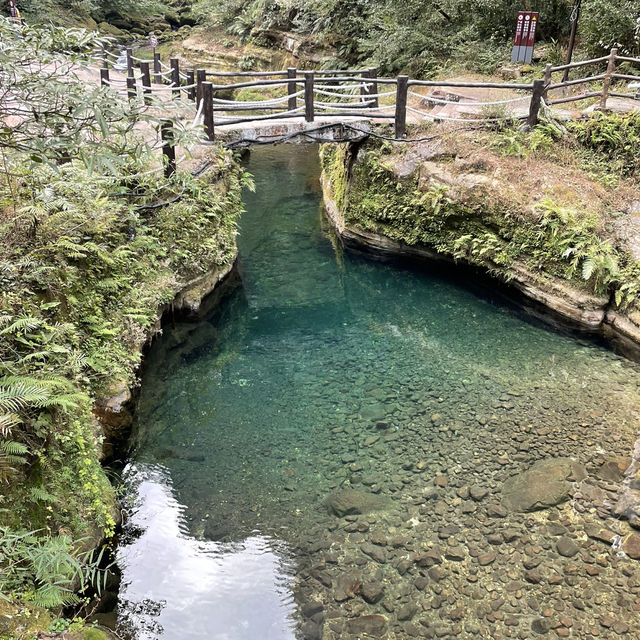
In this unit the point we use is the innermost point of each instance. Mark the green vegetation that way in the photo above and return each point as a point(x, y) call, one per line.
point(115, 17)
point(94, 243)
point(550, 239)
point(615, 138)
point(420, 37)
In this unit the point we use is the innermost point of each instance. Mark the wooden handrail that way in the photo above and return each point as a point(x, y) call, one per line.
point(199, 88)
point(624, 76)
point(582, 96)
point(627, 59)
point(571, 83)
point(582, 63)
point(471, 85)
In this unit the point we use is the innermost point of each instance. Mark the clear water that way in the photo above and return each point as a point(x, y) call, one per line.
point(323, 370)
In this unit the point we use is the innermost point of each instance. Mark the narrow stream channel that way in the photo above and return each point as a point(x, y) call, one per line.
point(324, 371)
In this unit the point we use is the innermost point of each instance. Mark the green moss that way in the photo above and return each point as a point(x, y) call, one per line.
point(93, 634)
point(21, 622)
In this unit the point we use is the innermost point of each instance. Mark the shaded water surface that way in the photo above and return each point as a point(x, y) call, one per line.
point(323, 371)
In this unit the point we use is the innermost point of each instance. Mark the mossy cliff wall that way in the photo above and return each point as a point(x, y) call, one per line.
point(447, 202)
point(107, 270)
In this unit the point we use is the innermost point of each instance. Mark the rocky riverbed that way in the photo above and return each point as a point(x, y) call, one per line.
point(437, 464)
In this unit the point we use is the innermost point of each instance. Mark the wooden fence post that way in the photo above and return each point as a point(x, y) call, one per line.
point(364, 89)
point(104, 77)
point(105, 58)
point(207, 110)
point(547, 79)
point(373, 90)
point(131, 87)
point(157, 69)
point(168, 147)
point(611, 67)
point(146, 81)
point(308, 96)
point(292, 73)
point(401, 106)
point(201, 78)
point(175, 76)
point(191, 80)
point(130, 63)
point(536, 99)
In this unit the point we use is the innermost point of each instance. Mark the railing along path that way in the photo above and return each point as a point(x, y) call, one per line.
point(222, 99)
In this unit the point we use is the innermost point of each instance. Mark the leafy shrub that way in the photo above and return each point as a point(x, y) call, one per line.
point(609, 24)
point(616, 137)
point(44, 569)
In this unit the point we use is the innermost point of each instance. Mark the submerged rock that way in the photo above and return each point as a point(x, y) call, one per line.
point(373, 625)
point(631, 546)
point(346, 502)
point(546, 484)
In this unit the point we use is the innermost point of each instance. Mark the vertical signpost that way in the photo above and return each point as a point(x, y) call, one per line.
point(153, 43)
point(13, 10)
point(515, 52)
point(525, 38)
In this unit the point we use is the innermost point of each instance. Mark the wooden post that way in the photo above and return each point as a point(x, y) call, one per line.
point(536, 99)
point(191, 80)
point(207, 110)
point(105, 58)
point(146, 82)
point(547, 79)
point(575, 17)
point(104, 77)
point(611, 67)
point(168, 147)
point(308, 96)
point(373, 91)
point(292, 72)
point(131, 87)
point(175, 76)
point(364, 89)
point(201, 78)
point(401, 106)
point(130, 63)
point(157, 69)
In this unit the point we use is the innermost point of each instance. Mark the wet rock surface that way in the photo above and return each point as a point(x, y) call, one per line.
point(546, 484)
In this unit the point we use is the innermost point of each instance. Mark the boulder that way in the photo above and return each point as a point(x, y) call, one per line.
point(546, 484)
point(631, 546)
point(347, 502)
point(373, 625)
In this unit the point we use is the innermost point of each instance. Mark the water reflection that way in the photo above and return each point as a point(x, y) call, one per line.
point(188, 588)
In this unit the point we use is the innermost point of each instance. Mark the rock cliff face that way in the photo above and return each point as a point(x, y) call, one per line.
point(442, 201)
point(114, 411)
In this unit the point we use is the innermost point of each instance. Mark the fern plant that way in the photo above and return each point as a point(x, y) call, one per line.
point(45, 570)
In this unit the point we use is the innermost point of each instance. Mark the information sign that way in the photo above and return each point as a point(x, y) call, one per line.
point(524, 41)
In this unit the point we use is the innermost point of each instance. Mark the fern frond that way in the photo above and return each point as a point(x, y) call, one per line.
point(18, 396)
point(62, 401)
point(8, 421)
point(38, 494)
point(24, 323)
point(50, 595)
point(9, 447)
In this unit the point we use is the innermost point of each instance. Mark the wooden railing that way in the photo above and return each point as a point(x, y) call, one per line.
point(606, 78)
point(341, 94)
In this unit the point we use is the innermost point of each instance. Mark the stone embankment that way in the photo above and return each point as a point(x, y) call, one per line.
point(492, 196)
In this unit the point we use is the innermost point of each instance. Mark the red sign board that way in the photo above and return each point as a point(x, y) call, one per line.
point(532, 29)
point(526, 27)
